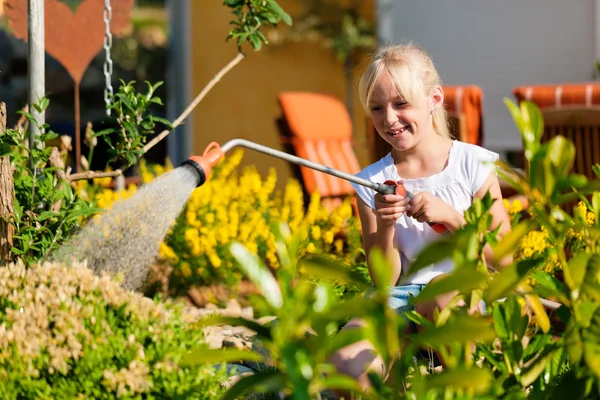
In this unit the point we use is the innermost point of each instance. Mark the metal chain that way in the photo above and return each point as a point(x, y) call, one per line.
point(108, 63)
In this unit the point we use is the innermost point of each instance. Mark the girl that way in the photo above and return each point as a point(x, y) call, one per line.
point(401, 91)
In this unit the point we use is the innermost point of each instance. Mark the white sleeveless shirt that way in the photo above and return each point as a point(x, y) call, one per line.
point(467, 169)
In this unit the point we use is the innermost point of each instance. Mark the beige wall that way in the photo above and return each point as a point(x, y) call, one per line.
point(244, 103)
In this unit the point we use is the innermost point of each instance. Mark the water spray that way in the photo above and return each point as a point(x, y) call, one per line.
point(214, 153)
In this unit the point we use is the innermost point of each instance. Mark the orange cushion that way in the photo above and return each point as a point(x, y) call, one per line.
point(337, 154)
point(321, 132)
point(315, 115)
point(568, 94)
point(467, 100)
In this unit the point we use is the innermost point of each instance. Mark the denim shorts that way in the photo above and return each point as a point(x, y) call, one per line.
point(400, 297)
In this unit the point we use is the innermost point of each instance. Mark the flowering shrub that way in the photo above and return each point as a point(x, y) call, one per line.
point(241, 207)
point(244, 208)
point(65, 332)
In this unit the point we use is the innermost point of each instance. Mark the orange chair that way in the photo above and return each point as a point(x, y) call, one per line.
point(573, 111)
point(464, 105)
point(317, 127)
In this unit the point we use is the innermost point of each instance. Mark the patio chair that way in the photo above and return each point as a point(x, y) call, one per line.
point(464, 105)
point(317, 127)
point(573, 111)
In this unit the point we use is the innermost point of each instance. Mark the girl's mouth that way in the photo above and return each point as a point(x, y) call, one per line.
point(396, 132)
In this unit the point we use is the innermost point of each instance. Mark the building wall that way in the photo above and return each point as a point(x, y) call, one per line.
point(498, 45)
point(244, 104)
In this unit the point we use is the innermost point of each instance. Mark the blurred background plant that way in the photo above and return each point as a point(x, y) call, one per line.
point(338, 25)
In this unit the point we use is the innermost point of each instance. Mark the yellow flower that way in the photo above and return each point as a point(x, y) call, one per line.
point(587, 215)
point(328, 237)
point(315, 232)
point(167, 253)
point(311, 248)
point(513, 207)
point(215, 260)
point(535, 243)
point(186, 270)
point(339, 246)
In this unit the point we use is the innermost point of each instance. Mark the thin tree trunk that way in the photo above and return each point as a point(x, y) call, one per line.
point(348, 72)
point(7, 193)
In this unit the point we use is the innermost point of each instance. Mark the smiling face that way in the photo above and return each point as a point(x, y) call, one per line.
point(401, 90)
point(400, 122)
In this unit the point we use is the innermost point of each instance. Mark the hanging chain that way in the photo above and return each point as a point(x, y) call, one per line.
point(108, 63)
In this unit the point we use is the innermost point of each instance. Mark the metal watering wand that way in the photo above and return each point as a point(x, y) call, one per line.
point(214, 153)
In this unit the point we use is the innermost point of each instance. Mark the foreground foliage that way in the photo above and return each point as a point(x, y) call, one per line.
point(518, 349)
point(65, 332)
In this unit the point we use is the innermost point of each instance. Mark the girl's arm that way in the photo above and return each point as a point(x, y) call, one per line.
point(380, 233)
point(498, 213)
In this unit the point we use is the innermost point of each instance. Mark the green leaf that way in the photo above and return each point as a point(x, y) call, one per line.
point(212, 356)
point(515, 112)
point(561, 153)
point(267, 381)
point(549, 286)
point(354, 308)
point(279, 11)
point(508, 278)
point(341, 382)
point(476, 380)
point(571, 181)
point(5, 149)
point(500, 324)
point(48, 136)
point(540, 313)
point(596, 169)
point(258, 273)
point(431, 254)
point(323, 267)
point(460, 329)
point(573, 341)
point(463, 280)
point(591, 355)
point(534, 371)
point(344, 338)
point(163, 121)
point(511, 242)
point(575, 270)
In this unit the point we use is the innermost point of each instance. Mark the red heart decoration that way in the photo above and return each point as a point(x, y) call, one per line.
point(72, 38)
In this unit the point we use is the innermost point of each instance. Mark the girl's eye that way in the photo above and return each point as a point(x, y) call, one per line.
point(375, 108)
point(401, 104)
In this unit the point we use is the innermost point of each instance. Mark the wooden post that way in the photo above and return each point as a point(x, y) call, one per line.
point(7, 195)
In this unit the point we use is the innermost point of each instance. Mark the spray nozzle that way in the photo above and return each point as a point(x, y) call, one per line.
point(204, 164)
point(401, 190)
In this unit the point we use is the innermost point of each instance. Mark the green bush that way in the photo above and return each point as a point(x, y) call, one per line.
point(66, 333)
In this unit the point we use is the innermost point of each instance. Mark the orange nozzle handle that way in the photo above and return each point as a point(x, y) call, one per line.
point(401, 190)
point(204, 164)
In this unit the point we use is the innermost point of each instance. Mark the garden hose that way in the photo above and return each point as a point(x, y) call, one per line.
point(214, 153)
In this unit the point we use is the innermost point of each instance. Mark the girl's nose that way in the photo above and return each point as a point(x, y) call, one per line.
point(390, 116)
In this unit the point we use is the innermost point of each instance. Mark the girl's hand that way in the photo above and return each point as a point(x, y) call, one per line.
point(426, 207)
point(390, 207)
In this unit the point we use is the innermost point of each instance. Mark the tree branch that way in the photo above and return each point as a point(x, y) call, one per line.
point(93, 174)
point(239, 57)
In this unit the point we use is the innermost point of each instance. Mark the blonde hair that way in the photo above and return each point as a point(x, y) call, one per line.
point(412, 72)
